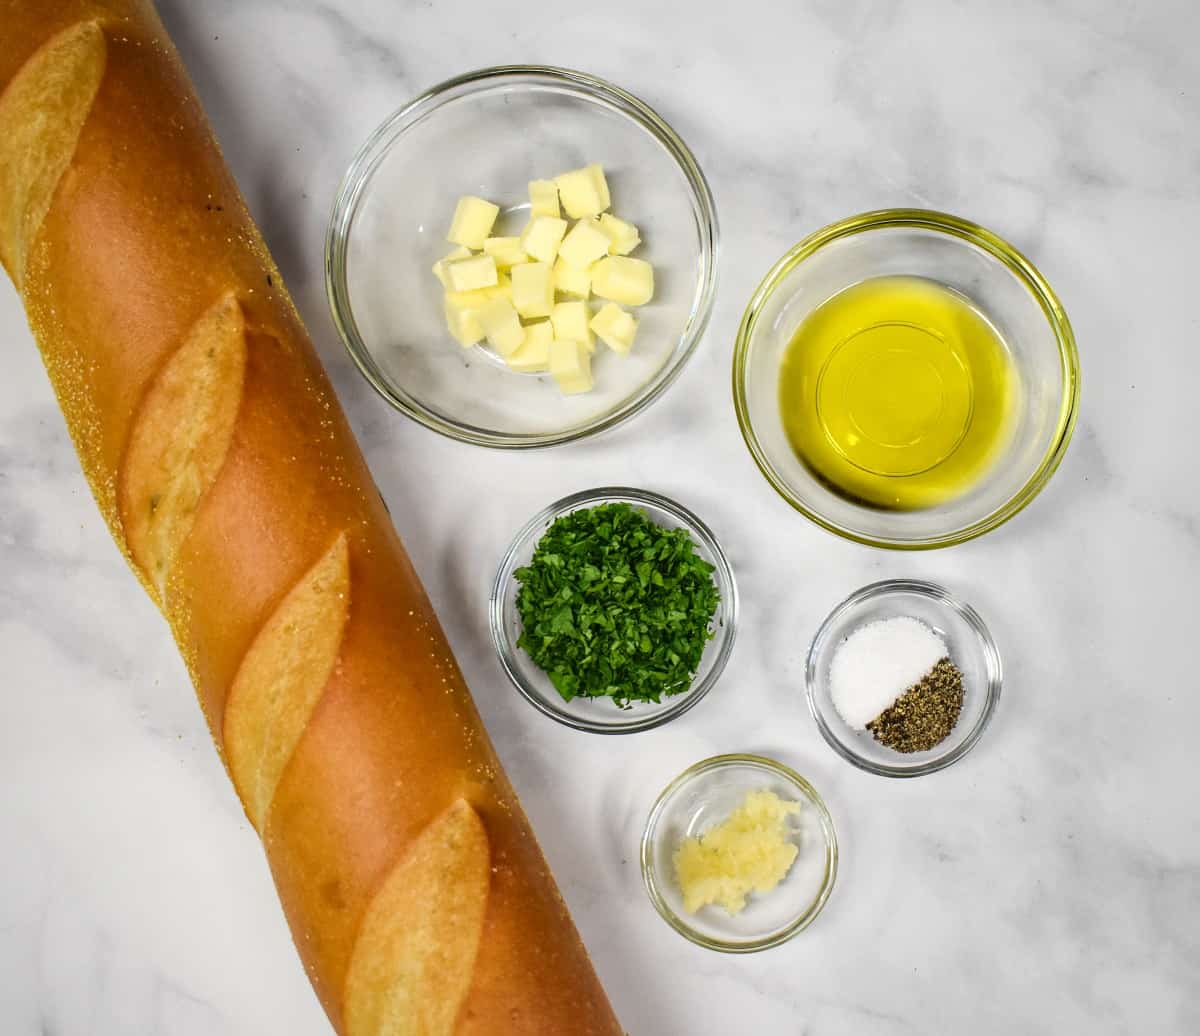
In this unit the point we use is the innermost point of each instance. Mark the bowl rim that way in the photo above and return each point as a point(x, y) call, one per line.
point(1017, 264)
point(506, 647)
point(778, 769)
point(375, 148)
point(987, 645)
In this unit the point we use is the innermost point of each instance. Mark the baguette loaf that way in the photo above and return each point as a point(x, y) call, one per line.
point(416, 893)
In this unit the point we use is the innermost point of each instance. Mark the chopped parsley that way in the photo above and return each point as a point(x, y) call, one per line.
point(614, 606)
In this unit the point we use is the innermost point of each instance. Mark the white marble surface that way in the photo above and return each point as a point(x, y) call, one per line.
point(1049, 883)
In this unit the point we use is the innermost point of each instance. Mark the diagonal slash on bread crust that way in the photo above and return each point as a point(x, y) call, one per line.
point(180, 438)
point(282, 676)
point(41, 115)
point(415, 952)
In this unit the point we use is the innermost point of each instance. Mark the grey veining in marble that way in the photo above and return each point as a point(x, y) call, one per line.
point(1049, 883)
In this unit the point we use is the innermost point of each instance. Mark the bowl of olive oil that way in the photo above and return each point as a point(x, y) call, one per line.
point(906, 379)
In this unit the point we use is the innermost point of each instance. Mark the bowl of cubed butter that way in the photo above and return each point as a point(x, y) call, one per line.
point(522, 256)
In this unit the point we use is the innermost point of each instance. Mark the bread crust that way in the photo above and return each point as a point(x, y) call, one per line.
point(145, 232)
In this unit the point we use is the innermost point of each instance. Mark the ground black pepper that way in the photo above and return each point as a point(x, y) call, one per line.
point(924, 715)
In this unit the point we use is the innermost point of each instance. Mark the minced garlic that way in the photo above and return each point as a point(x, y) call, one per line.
point(751, 850)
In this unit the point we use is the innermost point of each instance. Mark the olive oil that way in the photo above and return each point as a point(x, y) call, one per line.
point(898, 393)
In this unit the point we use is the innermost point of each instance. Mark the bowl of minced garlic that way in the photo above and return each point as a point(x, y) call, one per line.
point(739, 853)
point(902, 678)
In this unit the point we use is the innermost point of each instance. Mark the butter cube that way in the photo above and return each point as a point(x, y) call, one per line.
point(571, 281)
point(624, 280)
point(623, 237)
point(461, 320)
point(501, 326)
point(542, 237)
point(507, 251)
point(439, 268)
point(575, 386)
point(502, 289)
point(571, 366)
point(570, 321)
point(584, 245)
point(534, 355)
point(583, 192)
point(571, 385)
point(543, 199)
point(469, 300)
point(470, 274)
point(615, 327)
point(533, 289)
point(473, 222)
point(541, 332)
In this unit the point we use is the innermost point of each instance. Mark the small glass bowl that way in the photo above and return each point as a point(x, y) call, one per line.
point(969, 645)
point(601, 716)
point(489, 133)
point(704, 795)
point(1000, 282)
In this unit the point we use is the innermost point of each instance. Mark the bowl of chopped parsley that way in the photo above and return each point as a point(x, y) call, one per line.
point(614, 610)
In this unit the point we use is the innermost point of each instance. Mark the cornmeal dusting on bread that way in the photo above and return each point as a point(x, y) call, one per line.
point(70, 373)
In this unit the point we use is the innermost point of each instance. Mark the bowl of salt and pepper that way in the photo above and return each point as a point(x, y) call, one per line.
point(902, 678)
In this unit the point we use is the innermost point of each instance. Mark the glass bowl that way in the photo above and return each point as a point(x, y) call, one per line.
point(969, 645)
point(602, 716)
point(489, 133)
point(998, 281)
point(703, 795)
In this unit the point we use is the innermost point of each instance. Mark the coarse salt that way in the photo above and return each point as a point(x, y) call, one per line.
point(877, 663)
